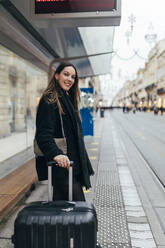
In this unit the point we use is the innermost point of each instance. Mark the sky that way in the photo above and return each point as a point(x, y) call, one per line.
point(149, 19)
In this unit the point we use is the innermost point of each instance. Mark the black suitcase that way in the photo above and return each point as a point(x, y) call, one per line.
point(59, 224)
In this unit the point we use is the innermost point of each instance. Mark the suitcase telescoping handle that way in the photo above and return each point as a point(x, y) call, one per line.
point(50, 165)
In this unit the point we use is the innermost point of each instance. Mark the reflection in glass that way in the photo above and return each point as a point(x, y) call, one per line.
point(21, 85)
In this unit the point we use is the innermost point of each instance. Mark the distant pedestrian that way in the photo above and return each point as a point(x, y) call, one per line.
point(161, 110)
point(155, 110)
point(134, 110)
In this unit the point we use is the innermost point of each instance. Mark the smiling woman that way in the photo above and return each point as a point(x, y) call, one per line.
point(58, 116)
point(66, 78)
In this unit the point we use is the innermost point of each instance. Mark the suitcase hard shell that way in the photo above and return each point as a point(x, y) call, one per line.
point(56, 225)
point(59, 224)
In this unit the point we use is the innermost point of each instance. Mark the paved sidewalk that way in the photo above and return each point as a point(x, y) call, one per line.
point(113, 193)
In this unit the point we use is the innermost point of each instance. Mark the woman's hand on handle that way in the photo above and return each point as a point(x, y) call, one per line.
point(62, 160)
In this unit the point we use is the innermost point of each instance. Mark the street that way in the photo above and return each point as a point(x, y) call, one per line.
point(147, 132)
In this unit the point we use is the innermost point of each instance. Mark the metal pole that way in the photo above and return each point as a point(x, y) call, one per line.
point(70, 183)
point(49, 183)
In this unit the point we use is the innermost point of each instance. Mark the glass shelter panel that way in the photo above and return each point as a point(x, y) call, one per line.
point(21, 85)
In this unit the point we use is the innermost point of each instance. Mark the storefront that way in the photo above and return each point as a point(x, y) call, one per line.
point(161, 98)
point(150, 89)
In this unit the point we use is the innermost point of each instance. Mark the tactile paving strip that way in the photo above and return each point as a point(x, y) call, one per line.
point(108, 165)
point(108, 177)
point(113, 231)
point(108, 196)
point(112, 221)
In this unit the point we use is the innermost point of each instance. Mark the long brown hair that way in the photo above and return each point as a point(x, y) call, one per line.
point(53, 90)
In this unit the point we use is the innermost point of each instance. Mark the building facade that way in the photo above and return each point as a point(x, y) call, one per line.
point(148, 89)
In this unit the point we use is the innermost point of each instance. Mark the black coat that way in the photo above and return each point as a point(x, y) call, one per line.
point(48, 127)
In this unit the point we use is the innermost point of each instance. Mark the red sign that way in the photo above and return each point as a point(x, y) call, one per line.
point(72, 6)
